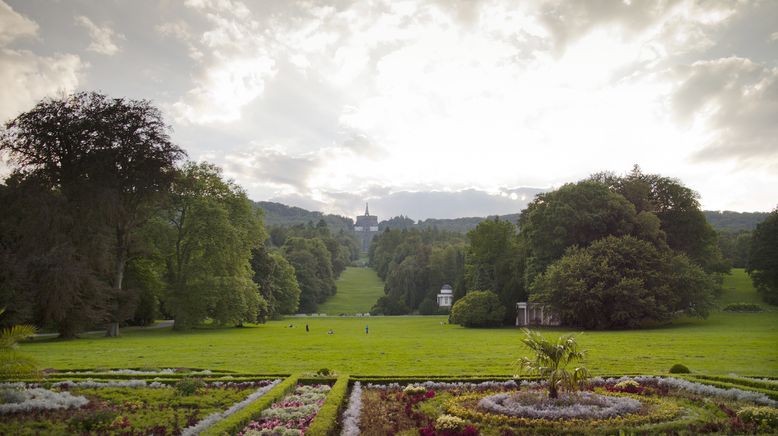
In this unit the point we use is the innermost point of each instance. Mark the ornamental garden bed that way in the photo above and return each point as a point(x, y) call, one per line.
point(641, 404)
point(124, 407)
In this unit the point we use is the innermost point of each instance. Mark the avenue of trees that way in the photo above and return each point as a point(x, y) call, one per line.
point(105, 223)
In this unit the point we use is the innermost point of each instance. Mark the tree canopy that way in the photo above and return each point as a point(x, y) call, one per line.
point(623, 282)
point(763, 258)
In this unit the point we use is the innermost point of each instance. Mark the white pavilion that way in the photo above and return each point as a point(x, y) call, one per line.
point(446, 296)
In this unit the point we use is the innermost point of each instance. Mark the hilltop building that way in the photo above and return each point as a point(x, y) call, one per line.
point(365, 229)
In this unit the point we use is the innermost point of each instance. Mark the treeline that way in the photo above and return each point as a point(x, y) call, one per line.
point(414, 264)
point(277, 214)
point(606, 252)
point(105, 222)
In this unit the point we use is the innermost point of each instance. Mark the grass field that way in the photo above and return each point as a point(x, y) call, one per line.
point(358, 290)
point(724, 343)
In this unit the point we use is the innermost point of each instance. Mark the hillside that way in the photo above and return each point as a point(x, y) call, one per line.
point(734, 221)
point(277, 214)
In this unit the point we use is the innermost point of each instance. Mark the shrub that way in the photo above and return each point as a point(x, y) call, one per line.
point(478, 309)
point(679, 369)
point(389, 306)
point(761, 416)
point(743, 307)
point(324, 372)
point(189, 385)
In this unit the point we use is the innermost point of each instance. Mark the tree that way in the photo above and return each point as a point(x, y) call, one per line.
point(109, 156)
point(493, 262)
point(51, 271)
point(478, 309)
point(214, 228)
point(622, 282)
point(763, 258)
point(551, 361)
point(577, 215)
point(678, 209)
point(277, 282)
point(313, 268)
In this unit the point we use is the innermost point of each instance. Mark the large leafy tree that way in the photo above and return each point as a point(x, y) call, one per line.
point(493, 262)
point(277, 282)
point(763, 258)
point(577, 215)
point(678, 209)
point(313, 268)
point(213, 229)
point(623, 282)
point(112, 160)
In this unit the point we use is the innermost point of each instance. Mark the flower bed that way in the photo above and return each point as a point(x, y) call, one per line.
point(634, 404)
point(290, 416)
point(117, 406)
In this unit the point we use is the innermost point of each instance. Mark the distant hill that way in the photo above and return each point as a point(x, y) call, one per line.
point(277, 214)
point(734, 221)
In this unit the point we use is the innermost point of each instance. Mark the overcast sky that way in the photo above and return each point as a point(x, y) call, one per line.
point(326, 105)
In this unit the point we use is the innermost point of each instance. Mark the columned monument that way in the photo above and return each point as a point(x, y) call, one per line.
point(365, 229)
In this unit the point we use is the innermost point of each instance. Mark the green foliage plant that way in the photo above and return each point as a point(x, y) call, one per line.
point(679, 368)
point(14, 364)
point(189, 385)
point(764, 417)
point(551, 360)
point(478, 309)
point(326, 419)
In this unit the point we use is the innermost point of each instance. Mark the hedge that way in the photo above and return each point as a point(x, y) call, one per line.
point(326, 421)
point(771, 393)
point(235, 422)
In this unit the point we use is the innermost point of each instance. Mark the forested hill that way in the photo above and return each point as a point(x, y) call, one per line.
point(277, 214)
point(734, 221)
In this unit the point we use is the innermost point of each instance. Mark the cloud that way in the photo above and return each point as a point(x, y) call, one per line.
point(103, 37)
point(272, 165)
point(14, 25)
point(235, 63)
point(735, 100)
point(26, 76)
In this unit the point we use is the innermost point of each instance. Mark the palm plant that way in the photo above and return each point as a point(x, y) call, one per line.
point(14, 364)
point(551, 361)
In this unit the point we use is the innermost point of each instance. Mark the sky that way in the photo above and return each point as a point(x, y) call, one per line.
point(430, 109)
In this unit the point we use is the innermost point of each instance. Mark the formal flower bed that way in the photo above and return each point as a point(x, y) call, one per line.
point(634, 404)
point(120, 406)
point(292, 415)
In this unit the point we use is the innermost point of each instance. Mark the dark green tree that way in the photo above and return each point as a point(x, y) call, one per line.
point(108, 156)
point(763, 258)
point(277, 282)
point(577, 215)
point(493, 262)
point(313, 268)
point(623, 282)
point(678, 209)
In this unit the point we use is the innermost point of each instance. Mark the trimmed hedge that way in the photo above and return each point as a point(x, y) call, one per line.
point(235, 422)
point(326, 421)
point(772, 394)
point(743, 381)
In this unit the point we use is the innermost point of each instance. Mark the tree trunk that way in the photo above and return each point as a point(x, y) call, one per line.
point(552, 391)
point(118, 278)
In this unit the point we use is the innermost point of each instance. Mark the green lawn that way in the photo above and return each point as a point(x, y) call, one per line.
point(358, 290)
point(724, 343)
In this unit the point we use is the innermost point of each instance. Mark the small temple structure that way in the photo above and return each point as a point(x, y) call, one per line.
point(445, 297)
point(535, 314)
point(365, 229)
